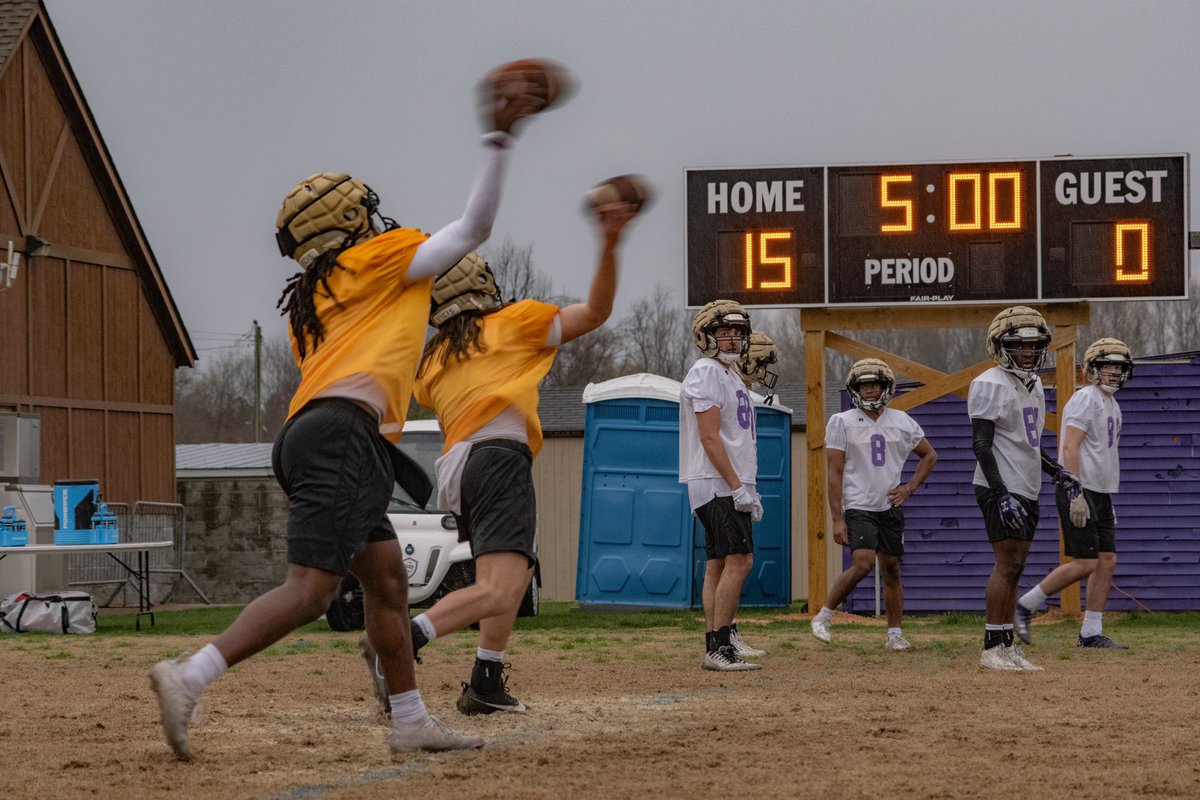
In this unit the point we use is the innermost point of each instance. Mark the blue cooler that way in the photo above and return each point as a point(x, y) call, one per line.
point(12, 530)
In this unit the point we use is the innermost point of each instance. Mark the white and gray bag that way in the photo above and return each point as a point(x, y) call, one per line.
point(64, 611)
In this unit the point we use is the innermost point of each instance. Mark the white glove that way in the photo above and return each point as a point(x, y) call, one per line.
point(757, 514)
point(744, 501)
point(1079, 511)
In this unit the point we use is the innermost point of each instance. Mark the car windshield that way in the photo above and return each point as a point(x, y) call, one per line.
point(423, 447)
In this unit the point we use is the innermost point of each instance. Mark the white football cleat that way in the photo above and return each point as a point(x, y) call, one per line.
point(821, 630)
point(997, 658)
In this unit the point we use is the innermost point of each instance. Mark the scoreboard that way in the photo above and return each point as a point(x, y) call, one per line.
point(1032, 230)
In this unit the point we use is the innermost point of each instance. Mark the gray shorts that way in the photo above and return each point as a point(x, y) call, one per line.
point(499, 511)
point(335, 469)
point(882, 531)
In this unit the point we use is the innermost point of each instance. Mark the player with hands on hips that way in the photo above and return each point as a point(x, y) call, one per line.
point(1007, 406)
point(1088, 446)
point(718, 460)
point(865, 451)
point(357, 314)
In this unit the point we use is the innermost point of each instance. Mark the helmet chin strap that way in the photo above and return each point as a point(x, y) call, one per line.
point(1109, 389)
point(729, 358)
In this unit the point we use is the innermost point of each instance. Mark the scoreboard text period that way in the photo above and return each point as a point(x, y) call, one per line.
point(989, 231)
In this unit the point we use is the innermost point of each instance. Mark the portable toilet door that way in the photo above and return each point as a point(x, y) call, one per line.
point(639, 544)
point(635, 536)
point(770, 580)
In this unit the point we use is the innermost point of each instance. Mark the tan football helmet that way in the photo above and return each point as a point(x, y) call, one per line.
point(467, 286)
point(1014, 326)
point(324, 210)
point(720, 314)
point(870, 370)
point(755, 365)
point(1107, 351)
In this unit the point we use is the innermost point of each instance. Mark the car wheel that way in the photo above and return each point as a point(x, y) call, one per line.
point(533, 597)
point(345, 613)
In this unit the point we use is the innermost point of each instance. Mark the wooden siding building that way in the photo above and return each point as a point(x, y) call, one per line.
point(91, 334)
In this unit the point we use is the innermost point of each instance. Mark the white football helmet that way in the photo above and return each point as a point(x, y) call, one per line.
point(1107, 352)
point(720, 314)
point(870, 370)
point(467, 286)
point(324, 210)
point(1015, 326)
point(755, 365)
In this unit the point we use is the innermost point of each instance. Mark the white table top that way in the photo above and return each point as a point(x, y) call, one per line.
point(84, 548)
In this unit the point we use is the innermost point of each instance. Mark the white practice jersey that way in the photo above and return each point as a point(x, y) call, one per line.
point(709, 384)
point(875, 454)
point(1020, 416)
point(1098, 415)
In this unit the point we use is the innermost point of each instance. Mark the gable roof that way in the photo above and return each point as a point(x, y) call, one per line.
point(21, 19)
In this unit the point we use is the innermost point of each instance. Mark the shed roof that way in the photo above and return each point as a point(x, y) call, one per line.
point(223, 455)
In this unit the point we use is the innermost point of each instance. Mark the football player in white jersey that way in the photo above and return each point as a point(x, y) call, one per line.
point(1007, 406)
point(865, 451)
point(718, 460)
point(1091, 433)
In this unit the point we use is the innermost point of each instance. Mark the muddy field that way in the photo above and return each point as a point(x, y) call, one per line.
point(627, 714)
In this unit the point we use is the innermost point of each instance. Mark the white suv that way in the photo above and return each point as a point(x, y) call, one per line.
point(436, 562)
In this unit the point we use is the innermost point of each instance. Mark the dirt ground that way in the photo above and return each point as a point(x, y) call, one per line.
point(625, 714)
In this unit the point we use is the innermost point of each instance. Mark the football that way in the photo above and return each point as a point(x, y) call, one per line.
point(536, 76)
point(621, 189)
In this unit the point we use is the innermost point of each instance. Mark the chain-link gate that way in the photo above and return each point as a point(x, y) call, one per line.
point(147, 522)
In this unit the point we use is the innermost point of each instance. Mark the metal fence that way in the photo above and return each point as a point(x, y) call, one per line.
point(146, 522)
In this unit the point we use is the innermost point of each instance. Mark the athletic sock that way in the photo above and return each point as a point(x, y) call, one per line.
point(407, 706)
point(825, 614)
point(710, 641)
point(1093, 624)
point(1033, 599)
point(489, 655)
point(893, 633)
point(993, 636)
point(204, 667)
point(423, 622)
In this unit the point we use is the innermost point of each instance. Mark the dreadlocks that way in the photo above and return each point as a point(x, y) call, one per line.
point(458, 336)
point(297, 298)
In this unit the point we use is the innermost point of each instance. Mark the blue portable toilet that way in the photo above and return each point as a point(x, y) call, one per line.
point(639, 545)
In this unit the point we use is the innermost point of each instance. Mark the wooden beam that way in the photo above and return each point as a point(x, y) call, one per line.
point(818, 548)
point(1064, 367)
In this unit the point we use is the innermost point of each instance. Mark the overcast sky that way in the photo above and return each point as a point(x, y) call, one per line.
point(214, 109)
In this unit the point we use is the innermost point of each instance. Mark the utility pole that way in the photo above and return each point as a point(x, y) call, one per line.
point(257, 382)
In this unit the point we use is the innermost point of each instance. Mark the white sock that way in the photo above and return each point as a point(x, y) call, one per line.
point(1033, 599)
point(407, 706)
point(204, 667)
point(489, 655)
point(1093, 624)
point(893, 633)
point(426, 626)
point(825, 614)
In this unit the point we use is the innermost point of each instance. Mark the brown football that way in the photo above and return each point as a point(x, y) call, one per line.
point(621, 189)
point(531, 75)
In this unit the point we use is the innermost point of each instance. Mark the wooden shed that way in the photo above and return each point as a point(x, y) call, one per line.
point(91, 335)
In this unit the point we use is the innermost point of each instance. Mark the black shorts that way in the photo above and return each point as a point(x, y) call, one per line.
point(997, 531)
point(882, 531)
point(726, 530)
point(337, 474)
point(1100, 533)
point(499, 511)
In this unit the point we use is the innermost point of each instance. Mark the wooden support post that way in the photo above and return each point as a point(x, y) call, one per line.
point(1065, 377)
point(818, 541)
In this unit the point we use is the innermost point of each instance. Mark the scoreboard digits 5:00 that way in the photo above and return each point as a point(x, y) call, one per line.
point(990, 231)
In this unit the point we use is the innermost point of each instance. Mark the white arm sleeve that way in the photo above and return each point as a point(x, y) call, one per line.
point(444, 249)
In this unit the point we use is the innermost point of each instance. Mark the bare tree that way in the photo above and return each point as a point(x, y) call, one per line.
point(657, 336)
point(216, 404)
point(516, 277)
